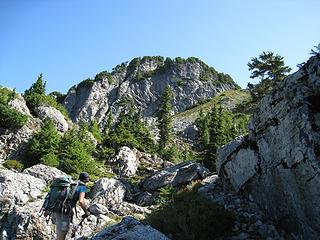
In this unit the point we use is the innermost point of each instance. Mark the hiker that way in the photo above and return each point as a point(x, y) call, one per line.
point(61, 219)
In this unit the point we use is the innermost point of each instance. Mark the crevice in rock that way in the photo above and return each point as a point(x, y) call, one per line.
point(309, 179)
point(314, 102)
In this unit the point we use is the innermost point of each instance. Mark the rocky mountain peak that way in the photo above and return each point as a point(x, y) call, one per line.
point(141, 82)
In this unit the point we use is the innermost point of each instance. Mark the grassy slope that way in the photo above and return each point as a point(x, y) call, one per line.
point(229, 99)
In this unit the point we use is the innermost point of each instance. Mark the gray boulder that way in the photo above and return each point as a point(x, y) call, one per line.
point(19, 187)
point(109, 192)
point(179, 174)
point(44, 112)
point(25, 222)
point(278, 163)
point(130, 229)
point(126, 162)
point(44, 172)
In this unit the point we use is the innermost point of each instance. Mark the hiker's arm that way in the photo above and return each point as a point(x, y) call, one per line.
point(82, 203)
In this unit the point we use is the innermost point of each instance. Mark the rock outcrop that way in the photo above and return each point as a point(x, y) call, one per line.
point(130, 229)
point(13, 142)
point(48, 112)
point(179, 174)
point(141, 83)
point(278, 163)
point(43, 172)
point(19, 187)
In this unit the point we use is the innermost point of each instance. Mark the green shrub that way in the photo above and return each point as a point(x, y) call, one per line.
point(11, 118)
point(50, 159)
point(172, 154)
point(13, 164)
point(190, 216)
point(104, 75)
point(6, 95)
point(120, 67)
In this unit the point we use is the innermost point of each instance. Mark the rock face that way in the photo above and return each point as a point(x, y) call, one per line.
point(278, 163)
point(55, 115)
point(130, 229)
point(20, 207)
point(177, 175)
point(141, 83)
point(19, 104)
point(13, 142)
point(19, 187)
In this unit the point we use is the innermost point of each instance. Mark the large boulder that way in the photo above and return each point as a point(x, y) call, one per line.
point(44, 172)
point(48, 112)
point(126, 162)
point(130, 229)
point(278, 163)
point(109, 191)
point(179, 174)
point(115, 194)
point(19, 187)
point(25, 222)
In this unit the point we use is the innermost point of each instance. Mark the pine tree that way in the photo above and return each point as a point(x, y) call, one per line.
point(165, 119)
point(203, 123)
point(270, 69)
point(76, 151)
point(39, 87)
point(43, 145)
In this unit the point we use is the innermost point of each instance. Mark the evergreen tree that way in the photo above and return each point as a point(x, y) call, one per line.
point(43, 146)
point(217, 128)
point(203, 123)
point(165, 119)
point(270, 69)
point(76, 151)
point(39, 87)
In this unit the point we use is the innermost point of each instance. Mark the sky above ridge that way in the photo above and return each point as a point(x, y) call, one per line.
point(69, 41)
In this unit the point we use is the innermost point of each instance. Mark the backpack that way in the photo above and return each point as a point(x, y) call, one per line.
point(60, 198)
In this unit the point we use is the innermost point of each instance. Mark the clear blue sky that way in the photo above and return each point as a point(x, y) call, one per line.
point(71, 40)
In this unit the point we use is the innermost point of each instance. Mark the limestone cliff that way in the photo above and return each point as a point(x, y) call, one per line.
point(278, 163)
point(141, 83)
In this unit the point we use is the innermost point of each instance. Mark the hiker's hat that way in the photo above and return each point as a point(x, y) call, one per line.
point(84, 177)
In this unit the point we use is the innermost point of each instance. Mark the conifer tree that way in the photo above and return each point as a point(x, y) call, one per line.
point(165, 119)
point(270, 69)
point(39, 87)
point(43, 146)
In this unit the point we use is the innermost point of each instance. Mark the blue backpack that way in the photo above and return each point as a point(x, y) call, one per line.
point(60, 198)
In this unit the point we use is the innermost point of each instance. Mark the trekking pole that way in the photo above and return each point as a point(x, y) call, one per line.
point(74, 230)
